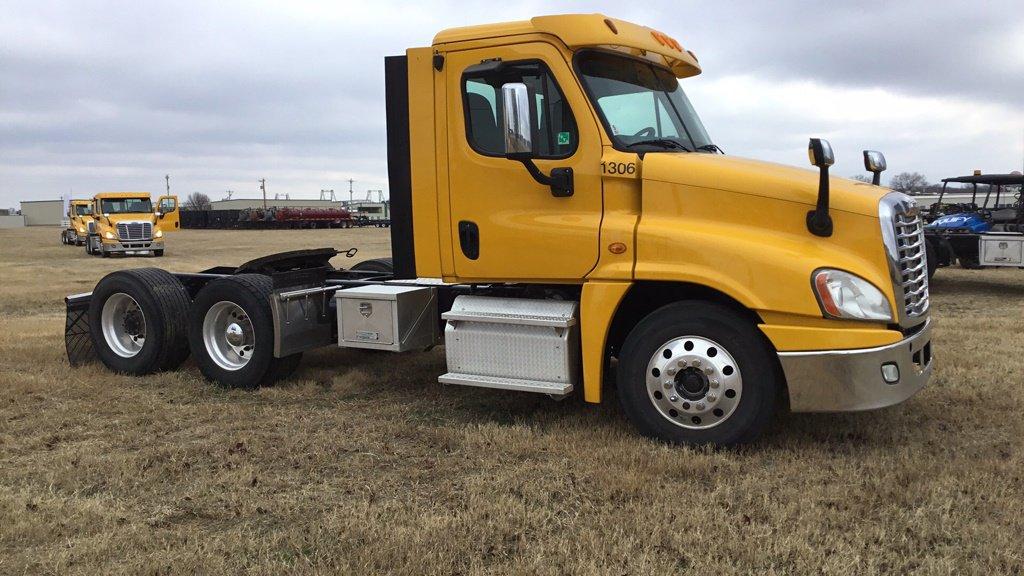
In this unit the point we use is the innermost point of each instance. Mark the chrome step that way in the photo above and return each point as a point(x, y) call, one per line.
point(500, 383)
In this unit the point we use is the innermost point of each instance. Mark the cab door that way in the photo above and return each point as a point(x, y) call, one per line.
point(170, 217)
point(506, 226)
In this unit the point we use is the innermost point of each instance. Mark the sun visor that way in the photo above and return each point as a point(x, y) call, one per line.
point(595, 30)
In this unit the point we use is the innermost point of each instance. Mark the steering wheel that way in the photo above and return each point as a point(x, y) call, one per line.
point(646, 132)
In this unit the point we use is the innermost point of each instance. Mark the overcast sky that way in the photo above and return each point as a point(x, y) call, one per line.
point(113, 95)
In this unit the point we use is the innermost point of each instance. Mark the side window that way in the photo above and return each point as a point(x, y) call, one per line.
point(167, 205)
point(554, 127)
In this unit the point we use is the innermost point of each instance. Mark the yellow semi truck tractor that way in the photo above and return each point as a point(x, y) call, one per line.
point(563, 223)
point(77, 228)
point(128, 223)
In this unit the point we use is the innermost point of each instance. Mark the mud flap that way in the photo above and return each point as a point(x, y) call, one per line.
point(77, 340)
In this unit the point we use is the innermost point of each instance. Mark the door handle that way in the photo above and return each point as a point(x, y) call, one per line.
point(469, 239)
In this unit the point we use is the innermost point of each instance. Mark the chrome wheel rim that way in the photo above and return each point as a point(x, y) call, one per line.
point(694, 382)
point(228, 335)
point(123, 325)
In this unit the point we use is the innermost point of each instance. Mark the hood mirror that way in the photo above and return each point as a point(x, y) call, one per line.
point(819, 222)
point(820, 153)
point(874, 162)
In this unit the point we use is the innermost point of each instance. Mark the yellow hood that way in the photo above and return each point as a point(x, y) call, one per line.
point(757, 178)
point(132, 217)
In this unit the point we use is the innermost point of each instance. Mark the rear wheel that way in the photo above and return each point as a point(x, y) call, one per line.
point(231, 333)
point(698, 373)
point(382, 265)
point(136, 321)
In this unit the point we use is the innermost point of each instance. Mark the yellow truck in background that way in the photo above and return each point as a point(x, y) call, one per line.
point(128, 223)
point(563, 222)
point(77, 228)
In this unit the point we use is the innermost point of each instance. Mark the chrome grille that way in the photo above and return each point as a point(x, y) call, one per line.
point(903, 235)
point(134, 230)
point(913, 262)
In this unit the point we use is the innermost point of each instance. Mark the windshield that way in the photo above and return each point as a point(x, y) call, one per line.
point(642, 105)
point(82, 209)
point(126, 205)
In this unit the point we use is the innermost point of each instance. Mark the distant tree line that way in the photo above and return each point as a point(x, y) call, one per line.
point(197, 201)
point(914, 183)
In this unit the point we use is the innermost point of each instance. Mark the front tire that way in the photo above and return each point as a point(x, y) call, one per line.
point(231, 333)
point(698, 373)
point(136, 320)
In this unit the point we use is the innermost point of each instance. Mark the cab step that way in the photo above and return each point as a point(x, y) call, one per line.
point(537, 386)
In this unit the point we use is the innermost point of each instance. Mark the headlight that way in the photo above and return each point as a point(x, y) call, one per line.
point(844, 295)
point(109, 235)
point(81, 230)
point(159, 233)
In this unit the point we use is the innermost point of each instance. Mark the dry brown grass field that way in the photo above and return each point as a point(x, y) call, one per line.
point(361, 463)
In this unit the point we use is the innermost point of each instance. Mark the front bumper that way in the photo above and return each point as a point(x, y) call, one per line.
point(851, 380)
point(129, 246)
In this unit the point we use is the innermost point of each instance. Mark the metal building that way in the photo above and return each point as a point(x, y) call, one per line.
point(42, 212)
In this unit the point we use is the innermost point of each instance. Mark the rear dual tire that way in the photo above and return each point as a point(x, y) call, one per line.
point(135, 321)
point(231, 333)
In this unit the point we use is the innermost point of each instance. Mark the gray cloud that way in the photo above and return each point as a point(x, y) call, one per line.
point(113, 95)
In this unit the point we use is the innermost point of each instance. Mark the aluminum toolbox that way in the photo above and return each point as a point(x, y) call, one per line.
point(387, 317)
point(1001, 249)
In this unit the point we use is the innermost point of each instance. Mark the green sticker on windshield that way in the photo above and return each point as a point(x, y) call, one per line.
point(563, 138)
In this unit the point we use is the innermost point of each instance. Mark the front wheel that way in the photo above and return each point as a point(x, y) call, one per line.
point(698, 373)
point(231, 333)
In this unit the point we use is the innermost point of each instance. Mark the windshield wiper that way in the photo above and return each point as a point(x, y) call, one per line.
point(711, 148)
point(660, 143)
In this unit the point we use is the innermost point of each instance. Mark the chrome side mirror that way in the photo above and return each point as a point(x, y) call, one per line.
point(819, 151)
point(515, 99)
point(874, 162)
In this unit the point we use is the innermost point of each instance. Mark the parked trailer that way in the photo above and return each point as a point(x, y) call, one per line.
point(215, 219)
point(545, 231)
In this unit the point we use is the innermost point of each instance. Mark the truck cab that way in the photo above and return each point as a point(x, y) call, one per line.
point(563, 222)
point(128, 223)
point(79, 217)
point(638, 207)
